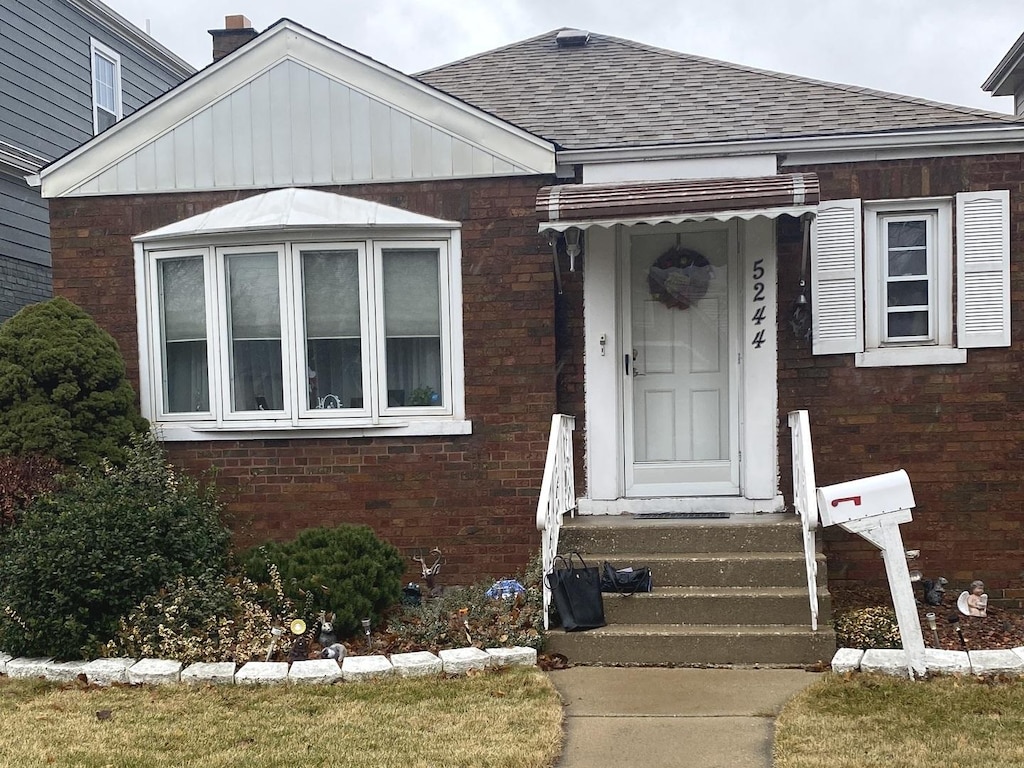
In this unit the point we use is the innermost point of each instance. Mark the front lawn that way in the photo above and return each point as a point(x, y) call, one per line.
point(867, 720)
point(510, 718)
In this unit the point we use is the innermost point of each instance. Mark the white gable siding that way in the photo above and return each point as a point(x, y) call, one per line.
point(295, 109)
point(294, 126)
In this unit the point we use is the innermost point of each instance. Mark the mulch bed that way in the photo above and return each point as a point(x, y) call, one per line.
point(1002, 628)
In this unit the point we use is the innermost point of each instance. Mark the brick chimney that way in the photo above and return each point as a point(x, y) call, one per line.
point(237, 32)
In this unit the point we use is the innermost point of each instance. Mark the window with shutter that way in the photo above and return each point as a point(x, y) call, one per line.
point(882, 278)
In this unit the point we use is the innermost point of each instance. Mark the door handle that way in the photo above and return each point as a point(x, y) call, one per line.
point(628, 360)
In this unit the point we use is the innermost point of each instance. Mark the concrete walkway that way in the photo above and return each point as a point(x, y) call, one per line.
point(673, 717)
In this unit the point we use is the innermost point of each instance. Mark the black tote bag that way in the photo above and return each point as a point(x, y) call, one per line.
point(626, 581)
point(577, 594)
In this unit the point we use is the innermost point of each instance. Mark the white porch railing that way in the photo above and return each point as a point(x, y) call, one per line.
point(557, 495)
point(805, 500)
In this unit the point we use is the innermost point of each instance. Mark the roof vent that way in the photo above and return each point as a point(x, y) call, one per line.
point(572, 38)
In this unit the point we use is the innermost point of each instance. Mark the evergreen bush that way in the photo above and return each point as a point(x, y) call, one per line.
point(63, 391)
point(347, 571)
point(84, 556)
point(22, 480)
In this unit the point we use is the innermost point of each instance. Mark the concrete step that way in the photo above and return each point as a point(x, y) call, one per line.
point(720, 605)
point(615, 534)
point(684, 645)
point(739, 569)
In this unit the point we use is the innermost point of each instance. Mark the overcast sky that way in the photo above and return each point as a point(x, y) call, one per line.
point(936, 49)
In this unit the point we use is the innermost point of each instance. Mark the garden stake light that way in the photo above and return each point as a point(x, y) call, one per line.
point(930, 618)
point(366, 631)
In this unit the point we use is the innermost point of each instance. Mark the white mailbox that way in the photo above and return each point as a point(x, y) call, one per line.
point(865, 498)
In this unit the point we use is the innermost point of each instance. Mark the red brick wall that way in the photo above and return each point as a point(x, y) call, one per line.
point(956, 429)
point(472, 496)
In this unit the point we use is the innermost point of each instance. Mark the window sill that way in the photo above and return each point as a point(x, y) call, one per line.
point(897, 356)
point(169, 431)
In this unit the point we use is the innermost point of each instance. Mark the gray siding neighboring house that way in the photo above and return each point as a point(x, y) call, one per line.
point(48, 107)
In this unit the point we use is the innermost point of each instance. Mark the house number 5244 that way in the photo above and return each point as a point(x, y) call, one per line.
point(758, 317)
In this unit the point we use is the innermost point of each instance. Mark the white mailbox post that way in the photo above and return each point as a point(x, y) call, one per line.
point(873, 507)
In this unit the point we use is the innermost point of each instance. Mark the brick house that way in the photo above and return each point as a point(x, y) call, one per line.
point(711, 204)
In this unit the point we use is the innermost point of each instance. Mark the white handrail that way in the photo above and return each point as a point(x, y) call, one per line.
point(805, 500)
point(557, 495)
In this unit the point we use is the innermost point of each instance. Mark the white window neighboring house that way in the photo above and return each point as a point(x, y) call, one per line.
point(340, 330)
point(883, 278)
point(107, 106)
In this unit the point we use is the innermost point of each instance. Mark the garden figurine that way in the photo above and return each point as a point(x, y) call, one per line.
point(974, 602)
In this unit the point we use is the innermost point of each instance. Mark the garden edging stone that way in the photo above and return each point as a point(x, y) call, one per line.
point(893, 661)
point(107, 671)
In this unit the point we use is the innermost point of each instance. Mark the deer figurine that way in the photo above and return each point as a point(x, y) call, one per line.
point(430, 571)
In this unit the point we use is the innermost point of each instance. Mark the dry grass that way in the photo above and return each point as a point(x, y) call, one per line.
point(510, 719)
point(867, 720)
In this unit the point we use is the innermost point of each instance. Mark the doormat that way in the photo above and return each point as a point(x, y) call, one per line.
point(681, 515)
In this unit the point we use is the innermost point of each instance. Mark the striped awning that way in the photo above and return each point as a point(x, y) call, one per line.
point(566, 206)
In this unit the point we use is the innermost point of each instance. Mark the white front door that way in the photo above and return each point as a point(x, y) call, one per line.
point(680, 392)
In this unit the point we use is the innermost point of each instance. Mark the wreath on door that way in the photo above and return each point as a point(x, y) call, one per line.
point(679, 277)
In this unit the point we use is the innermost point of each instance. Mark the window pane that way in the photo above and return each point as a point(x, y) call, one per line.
point(182, 292)
point(902, 325)
point(908, 234)
point(907, 324)
point(104, 83)
point(909, 262)
point(412, 322)
point(334, 370)
point(912, 293)
point(254, 327)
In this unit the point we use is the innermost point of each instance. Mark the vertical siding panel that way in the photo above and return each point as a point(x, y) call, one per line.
point(421, 162)
point(502, 166)
point(223, 144)
point(241, 136)
point(107, 181)
point(360, 122)
point(145, 168)
point(341, 132)
point(462, 158)
point(280, 125)
point(262, 146)
point(401, 145)
point(483, 163)
point(184, 157)
point(320, 126)
point(202, 135)
point(301, 128)
point(441, 153)
point(125, 170)
point(163, 149)
point(380, 140)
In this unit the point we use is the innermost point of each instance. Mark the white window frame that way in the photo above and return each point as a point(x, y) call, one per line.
point(96, 48)
point(375, 418)
point(938, 347)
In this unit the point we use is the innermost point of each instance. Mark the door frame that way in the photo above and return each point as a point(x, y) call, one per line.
point(603, 366)
point(731, 487)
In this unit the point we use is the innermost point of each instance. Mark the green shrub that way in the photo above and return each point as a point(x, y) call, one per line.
point(85, 555)
point(346, 571)
point(201, 618)
point(865, 628)
point(63, 391)
point(23, 479)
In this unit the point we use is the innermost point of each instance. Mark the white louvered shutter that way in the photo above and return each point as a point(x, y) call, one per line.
point(837, 298)
point(983, 269)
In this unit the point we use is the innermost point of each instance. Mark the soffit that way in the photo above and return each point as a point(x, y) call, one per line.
point(581, 206)
point(293, 209)
point(294, 108)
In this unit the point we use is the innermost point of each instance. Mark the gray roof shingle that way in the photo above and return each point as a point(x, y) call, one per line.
point(619, 93)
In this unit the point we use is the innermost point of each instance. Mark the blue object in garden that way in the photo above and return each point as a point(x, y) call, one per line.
point(505, 588)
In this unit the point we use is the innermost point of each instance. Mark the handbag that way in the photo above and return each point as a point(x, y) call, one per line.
point(577, 594)
point(626, 581)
